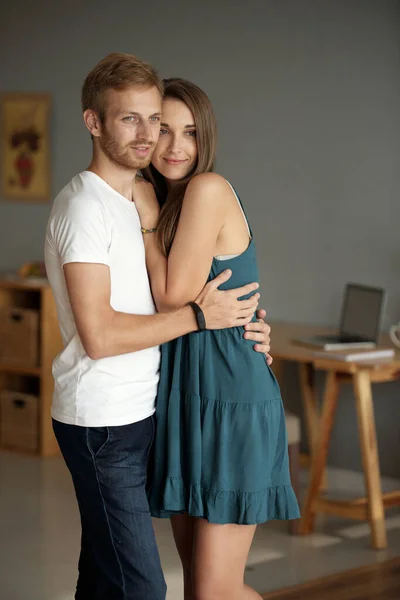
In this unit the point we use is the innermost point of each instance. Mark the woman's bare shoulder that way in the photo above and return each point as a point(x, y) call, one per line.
point(142, 186)
point(209, 185)
point(142, 183)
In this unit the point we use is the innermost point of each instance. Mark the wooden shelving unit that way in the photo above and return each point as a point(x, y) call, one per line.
point(34, 379)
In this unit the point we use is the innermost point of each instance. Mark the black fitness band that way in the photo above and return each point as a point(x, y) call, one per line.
point(200, 318)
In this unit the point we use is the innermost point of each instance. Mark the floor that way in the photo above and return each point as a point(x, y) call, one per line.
point(380, 581)
point(39, 537)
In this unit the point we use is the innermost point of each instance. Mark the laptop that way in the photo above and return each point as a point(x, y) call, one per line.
point(360, 320)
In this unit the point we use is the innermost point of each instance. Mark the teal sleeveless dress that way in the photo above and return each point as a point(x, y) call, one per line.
point(220, 449)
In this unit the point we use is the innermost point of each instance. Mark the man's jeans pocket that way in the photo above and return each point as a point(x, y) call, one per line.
point(97, 439)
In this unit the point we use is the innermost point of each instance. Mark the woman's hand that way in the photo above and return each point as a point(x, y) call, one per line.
point(146, 203)
point(260, 332)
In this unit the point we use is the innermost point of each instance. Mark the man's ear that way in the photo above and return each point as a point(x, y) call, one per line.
point(92, 122)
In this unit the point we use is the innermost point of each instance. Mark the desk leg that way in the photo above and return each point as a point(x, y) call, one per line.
point(311, 410)
point(277, 368)
point(309, 396)
point(320, 452)
point(369, 451)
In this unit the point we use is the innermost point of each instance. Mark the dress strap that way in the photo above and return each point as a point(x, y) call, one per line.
point(241, 208)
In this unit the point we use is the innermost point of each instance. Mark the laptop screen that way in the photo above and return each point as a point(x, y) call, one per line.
point(362, 311)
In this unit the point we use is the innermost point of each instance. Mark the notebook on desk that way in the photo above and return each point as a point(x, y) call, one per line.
point(356, 355)
point(359, 324)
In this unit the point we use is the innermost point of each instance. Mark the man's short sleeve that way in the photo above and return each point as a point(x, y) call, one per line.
point(80, 232)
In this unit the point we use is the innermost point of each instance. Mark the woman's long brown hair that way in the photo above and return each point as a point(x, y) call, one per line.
point(206, 136)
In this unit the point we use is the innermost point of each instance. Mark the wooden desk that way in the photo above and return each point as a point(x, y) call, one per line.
point(319, 425)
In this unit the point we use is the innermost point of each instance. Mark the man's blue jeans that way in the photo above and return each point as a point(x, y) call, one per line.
point(119, 558)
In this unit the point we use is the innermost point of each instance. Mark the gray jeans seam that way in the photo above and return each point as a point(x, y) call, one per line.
point(153, 431)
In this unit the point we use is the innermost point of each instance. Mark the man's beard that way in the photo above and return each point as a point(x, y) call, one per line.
point(122, 155)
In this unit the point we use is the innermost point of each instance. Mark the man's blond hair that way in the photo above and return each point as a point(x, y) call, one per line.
point(116, 71)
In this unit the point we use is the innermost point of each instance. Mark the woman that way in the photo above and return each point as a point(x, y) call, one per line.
point(220, 463)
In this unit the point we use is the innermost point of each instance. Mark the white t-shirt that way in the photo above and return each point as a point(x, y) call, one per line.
point(91, 222)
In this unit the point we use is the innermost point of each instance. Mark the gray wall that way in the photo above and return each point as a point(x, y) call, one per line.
point(307, 95)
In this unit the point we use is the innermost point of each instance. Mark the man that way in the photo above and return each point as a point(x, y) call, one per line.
point(106, 377)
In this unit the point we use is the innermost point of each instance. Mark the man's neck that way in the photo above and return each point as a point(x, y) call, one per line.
point(120, 179)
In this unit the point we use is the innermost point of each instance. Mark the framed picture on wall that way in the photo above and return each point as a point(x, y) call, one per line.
point(25, 147)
